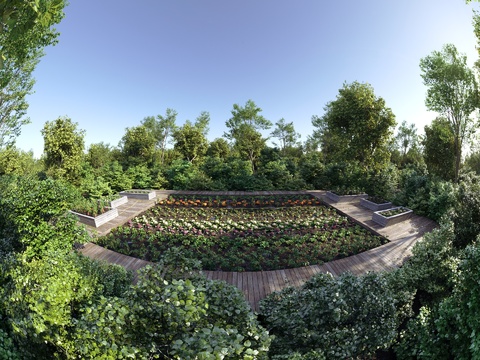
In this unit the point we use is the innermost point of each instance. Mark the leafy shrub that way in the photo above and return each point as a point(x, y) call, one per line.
point(426, 196)
point(337, 318)
point(466, 216)
point(32, 214)
point(92, 186)
point(117, 178)
point(141, 177)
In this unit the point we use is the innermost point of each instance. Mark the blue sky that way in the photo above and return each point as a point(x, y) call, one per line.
point(119, 61)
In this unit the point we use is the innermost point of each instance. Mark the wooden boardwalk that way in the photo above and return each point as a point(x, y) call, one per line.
point(257, 285)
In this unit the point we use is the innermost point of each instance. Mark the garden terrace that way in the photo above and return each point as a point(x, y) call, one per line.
point(257, 285)
point(245, 238)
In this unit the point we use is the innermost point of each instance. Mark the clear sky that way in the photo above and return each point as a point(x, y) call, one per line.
point(119, 61)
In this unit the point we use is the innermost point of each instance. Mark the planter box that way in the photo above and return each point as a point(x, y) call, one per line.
point(97, 220)
point(345, 198)
point(117, 202)
point(139, 194)
point(387, 221)
point(374, 206)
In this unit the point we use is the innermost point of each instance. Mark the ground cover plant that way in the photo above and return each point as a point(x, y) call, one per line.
point(243, 239)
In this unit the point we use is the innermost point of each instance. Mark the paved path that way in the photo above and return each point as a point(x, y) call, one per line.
point(257, 285)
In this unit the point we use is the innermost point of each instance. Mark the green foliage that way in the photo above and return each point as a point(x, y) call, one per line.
point(190, 140)
point(141, 177)
point(357, 127)
point(14, 161)
point(137, 146)
point(118, 179)
point(286, 134)
point(345, 176)
point(8, 350)
point(425, 195)
point(466, 216)
point(161, 128)
point(92, 186)
point(218, 148)
point(448, 329)
point(452, 91)
point(63, 148)
point(33, 215)
point(432, 269)
point(99, 155)
point(439, 149)
point(45, 296)
point(27, 27)
point(339, 318)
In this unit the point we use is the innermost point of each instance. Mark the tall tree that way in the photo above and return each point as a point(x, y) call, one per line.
point(137, 146)
point(286, 134)
point(190, 138)
point(63, 148)
point(249, 115)
point(16, 83)
point(25, 29)
point(452, 92)
point(357, 126)
point(244, 126)
point(439, 148)
point(162, 128)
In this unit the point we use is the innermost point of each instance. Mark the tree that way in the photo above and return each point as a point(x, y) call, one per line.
point(357, 126)
point(63, 148)
point(218, 148)
point(25, 29)
point(249, 115)
point(138, 146)
point(249, 143)
point(161, 127)
point(190, 140)
point(286, 134)
point(452, 92)
point(99, 155)
point(244, 126)
point(439, 149)
point(15, 84)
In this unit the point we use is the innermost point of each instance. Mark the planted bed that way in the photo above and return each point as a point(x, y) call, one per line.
point(392, 216)
point(242, 238)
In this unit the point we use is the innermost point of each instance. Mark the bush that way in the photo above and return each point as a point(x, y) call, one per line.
point(339, 318)
point(466, 216)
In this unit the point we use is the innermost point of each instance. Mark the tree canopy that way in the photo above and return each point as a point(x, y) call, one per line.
point(356, 126)
point(452, 91)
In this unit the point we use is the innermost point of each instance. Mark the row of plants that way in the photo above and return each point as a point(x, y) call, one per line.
point(243, 240)
point(248, 201)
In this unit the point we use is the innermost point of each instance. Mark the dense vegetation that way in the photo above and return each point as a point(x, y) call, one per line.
point(55, 303)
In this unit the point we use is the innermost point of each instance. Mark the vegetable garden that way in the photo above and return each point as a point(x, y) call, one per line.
point(248, 233)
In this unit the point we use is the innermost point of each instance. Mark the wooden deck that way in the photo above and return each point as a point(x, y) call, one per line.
point(257, 285)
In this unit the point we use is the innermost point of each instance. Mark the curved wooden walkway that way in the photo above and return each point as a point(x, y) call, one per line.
point(257, 285)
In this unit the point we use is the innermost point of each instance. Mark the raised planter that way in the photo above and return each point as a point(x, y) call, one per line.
point(97, 220)
point(382, 220)
point(139, 194)
point(117, 202)
point(345, 198)
point(374, 206)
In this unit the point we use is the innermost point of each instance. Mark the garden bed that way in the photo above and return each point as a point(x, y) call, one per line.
point(345, 198)
point(374, 206)
point(139, 194)
point(117, 202)
point(244, 201)
point(99, 220)
point(391, 216)
point(243, 239)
